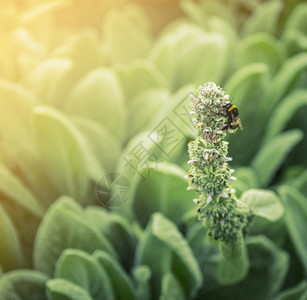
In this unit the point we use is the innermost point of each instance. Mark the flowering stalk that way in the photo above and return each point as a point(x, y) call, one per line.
point(223, 215)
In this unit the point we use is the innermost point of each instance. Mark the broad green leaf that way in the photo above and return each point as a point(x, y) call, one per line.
point(145, 107)
point(121, 283)
point(127, 33)
point(264, 18)
point(134, 157)
point(73, 59)
point(98, 96)
point(295, 41)
point(162, 235)
point(47, 78)
point(138, 76)
point(296, 219)
point(82, 269)
point(15, 107)
point(61, 289)
point(142, 276)
point(263, 203)
point(208, 54)
point(12, 187)
point(262, 48)
point(105, 148)
point(246, 179)
point(297, 292)
point(194, 11)
point(65, 226)
point(60, 147)
point(23, 284)
point(247, 81)
point(171, 288)
point(282, 83)
point(233, 265)
point(9, 244)
point(116, 229)
point(162, 55)
point(285, 111)
point(297, 18)
point(268, 269)
point(164, 190)
point(273, 153)
point(245, 86)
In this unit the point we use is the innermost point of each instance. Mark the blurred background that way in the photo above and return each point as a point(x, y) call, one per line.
point(84, 86)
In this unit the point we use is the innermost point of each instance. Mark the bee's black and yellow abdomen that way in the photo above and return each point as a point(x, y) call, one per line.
point(233, 121)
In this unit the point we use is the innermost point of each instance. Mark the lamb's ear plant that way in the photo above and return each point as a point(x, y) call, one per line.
point(226, 218)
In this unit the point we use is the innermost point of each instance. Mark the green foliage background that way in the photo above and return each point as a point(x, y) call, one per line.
point(83, 83)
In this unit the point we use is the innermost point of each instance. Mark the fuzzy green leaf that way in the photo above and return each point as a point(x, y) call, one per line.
point(121, 283)
point(142, 276)
point(82, 269)
point(172, 198)
point(65, 226)
point(296, 219)
point(162, 240)
point(60, 147)
point(273, 153)
point(262, 48)
point(138, 76)
point(264, 18)
point(23, 284)
point(54, 78)
point(61, 289)
point(103, 146)
point(98, 96)
point(116, 229)
point(11, 186)
point(233, 265)
point(284, 80)
point(285, 111)
point(9, 245)
point(171, 288)
point(297, 292)
point(264, 204)
point(127, 33)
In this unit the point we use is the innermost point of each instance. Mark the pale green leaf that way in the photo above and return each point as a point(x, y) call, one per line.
point(170, 198)
point(12, 187)
point(98, 96)
point(82, 269)
point(65, 226)
point(61, 289)
point(138, 76)
point(23, 284)
point(264, 203)
point(285, 111)
point(264, 18)
point(127, 33)
point(171, 288)
point(120, 281)
point(142, 276)
point(162, 243)
point(103, 148)
point(61, 153)
point(9, 245)
point(284, 80)
point(296, 219)
point(233, 265)
point(262, 48)
point(273, 153)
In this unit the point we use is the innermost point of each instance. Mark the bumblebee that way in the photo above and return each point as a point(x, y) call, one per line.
point(232, 113)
